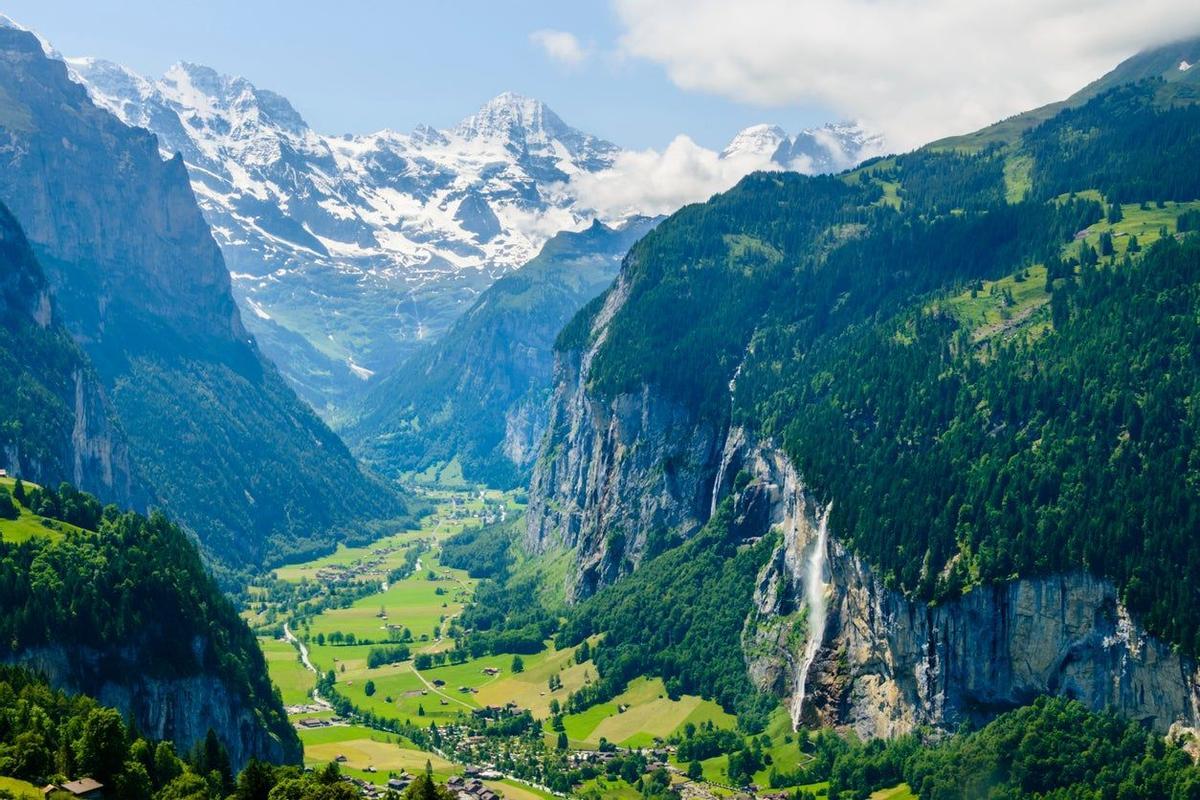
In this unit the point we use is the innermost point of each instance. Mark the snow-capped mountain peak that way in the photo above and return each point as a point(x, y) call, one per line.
point(509, 114)
point(204, 90)
point(529, 128)
point(832, 147)
point(757, 140)
point(347, 251)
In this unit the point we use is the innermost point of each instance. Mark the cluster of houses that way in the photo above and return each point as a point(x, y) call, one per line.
point(358, 569)
point(471, 786)
point(490, 514)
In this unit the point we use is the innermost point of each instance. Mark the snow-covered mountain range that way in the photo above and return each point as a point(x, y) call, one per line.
point(348, 251)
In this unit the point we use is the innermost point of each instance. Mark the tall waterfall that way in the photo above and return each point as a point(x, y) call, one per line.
point(814, 595)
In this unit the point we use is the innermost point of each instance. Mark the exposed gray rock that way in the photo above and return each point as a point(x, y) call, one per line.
point(612, 471)
point(181, 709)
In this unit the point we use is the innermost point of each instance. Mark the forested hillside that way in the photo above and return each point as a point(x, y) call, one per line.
point(118, 606)
point(982, 356)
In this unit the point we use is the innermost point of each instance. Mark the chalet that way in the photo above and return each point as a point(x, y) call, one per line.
point(399, 784)
point(491, 670)
point(84, 787)
point(309, 722)
point(341, 759)
point(3, 473)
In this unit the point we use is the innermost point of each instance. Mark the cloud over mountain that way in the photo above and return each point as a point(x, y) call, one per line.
point(914, 69)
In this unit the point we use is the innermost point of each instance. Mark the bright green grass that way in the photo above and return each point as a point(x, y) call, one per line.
point(606, 788)
point(784, 752)
point(989, 311)
point(409, 696)
point(649, 714)
point(437, 526)
point(365, 747)
point(1018, 177)
point(549, 572)
point(901, 792)
point(530, 689)
point(20, 789)
point(283, 664)
point(28, 525)
point(1145, 224)
point(348, 556)
point(411, 603)
point(446, 474)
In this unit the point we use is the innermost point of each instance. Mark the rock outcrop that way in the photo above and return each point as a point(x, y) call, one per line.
point(59, 424)
point(612, 471)
point(181, 709)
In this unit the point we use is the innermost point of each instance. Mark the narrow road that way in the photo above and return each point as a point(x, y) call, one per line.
point(439, 692)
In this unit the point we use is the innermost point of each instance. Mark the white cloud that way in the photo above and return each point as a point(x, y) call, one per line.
point(653, 182)
point(561, 46)
point(915, 69)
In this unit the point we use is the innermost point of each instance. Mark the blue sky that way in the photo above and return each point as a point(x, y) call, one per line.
point(356, 66)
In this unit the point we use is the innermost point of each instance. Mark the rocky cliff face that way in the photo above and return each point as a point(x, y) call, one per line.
point(181, 709)
point(67, 430)
point(886, 665)
point(611, 472)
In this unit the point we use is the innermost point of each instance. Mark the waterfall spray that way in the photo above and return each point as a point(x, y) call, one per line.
point(814, 595)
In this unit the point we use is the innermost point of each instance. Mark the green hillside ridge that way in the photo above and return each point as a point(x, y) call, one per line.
point(980, 390)
point(128, 601)
point(1156, 63)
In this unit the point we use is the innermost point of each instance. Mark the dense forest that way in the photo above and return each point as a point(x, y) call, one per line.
point(1075, 449)
point(680, 617)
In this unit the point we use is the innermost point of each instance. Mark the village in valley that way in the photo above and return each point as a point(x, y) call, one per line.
point(362, 645)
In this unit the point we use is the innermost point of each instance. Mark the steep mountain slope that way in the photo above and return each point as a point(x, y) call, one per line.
point(228, 449)
point(480, 392)
point(945, 378)
point(394, 233)
point(119, 607)
point(56, 422)
point(349, 253)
